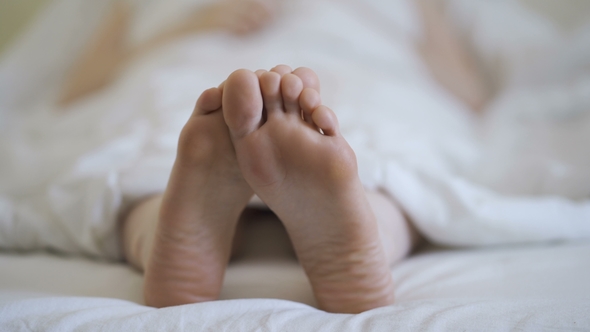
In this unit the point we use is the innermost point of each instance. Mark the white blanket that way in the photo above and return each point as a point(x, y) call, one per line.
point(66, 175)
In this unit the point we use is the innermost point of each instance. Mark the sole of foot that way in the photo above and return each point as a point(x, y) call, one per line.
point(293, 156)
point(201, 206)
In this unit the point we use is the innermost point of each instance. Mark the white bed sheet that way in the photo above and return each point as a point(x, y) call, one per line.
point(540, 287)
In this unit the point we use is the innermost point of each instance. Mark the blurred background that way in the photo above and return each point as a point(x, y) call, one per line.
point(14, 16)
point(495, 92)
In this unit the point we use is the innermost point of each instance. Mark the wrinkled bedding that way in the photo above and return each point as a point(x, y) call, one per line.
point(67, 174)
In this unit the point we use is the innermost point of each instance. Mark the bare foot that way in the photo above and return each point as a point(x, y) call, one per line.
point(205, 196)
point(310, 181)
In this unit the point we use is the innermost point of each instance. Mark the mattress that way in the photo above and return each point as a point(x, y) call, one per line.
point(528, 287)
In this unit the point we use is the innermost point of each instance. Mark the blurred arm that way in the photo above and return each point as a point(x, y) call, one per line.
point(107, 52)
point(449, 61)
point(102, 57)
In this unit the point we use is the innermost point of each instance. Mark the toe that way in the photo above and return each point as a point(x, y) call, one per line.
point(291, 87)
point(259, 72)
point(310, 81)
point(326, 120)
point(270, 84)
point(242, 103)
point(309, 100)
point(209, 101)
point(282, 70)
point(308, 77)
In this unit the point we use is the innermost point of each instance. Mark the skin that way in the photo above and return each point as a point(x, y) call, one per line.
point(310, 181)
point(449, 61)
point(200, 208)
point(345, 238)
point(107, 52)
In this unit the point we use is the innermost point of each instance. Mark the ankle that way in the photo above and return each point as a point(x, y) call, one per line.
point(138, 231)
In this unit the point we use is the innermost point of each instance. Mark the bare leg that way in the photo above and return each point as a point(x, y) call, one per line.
point(397, 234)
point(139, 231)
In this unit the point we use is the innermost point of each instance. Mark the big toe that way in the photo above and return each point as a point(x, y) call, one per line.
point(242, 103)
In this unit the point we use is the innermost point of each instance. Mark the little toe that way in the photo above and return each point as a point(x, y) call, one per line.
point(242, 103)
point(291, 87)
point(308, 77)
point(209, 101)
point(282, 70)
point(270, 84)
point(326, 120)
point(309, 100)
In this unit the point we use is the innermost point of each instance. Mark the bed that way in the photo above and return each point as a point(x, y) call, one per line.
point(520, 288)
point(509, 246)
